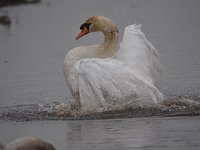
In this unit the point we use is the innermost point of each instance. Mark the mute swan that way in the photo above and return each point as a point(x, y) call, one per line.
point(28, 143)
point(110, 75)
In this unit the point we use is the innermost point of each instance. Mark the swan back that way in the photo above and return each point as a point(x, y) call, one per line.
point(136, 51)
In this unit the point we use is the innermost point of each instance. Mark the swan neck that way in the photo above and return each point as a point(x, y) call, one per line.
point(110, 44)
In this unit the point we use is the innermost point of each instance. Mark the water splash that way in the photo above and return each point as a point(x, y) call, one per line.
point(62, 111)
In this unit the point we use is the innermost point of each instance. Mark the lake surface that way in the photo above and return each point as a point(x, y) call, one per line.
point(32, 51)
point(127, 134)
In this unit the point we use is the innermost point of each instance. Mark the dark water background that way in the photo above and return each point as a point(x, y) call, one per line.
point(33, 47)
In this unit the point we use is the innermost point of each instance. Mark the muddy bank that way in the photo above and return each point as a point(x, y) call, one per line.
point(5, 3)
point(5, 20)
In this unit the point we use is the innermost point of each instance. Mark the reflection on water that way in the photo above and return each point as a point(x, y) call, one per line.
point(132, 134)
point(136, 133)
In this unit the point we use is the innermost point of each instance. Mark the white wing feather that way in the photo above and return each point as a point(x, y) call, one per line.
point(108, 83)
point(136, 51)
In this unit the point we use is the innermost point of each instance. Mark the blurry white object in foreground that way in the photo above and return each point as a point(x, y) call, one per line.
point(28, 143)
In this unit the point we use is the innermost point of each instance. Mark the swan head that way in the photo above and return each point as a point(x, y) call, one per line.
point(97, 24)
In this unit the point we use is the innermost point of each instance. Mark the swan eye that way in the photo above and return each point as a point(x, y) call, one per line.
point(85, 25)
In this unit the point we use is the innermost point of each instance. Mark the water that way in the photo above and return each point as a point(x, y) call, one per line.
point(136, 133)
point(32, 51)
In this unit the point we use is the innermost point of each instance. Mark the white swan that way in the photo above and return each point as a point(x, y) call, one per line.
point(108, 76)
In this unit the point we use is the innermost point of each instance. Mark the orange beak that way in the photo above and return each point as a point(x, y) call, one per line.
point(82, 33)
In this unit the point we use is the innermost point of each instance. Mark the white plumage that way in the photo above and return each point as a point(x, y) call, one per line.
point(127, 79)
point(139, 53)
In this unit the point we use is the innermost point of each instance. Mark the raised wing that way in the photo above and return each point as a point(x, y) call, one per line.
point(108, 83)
point(136, 51)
